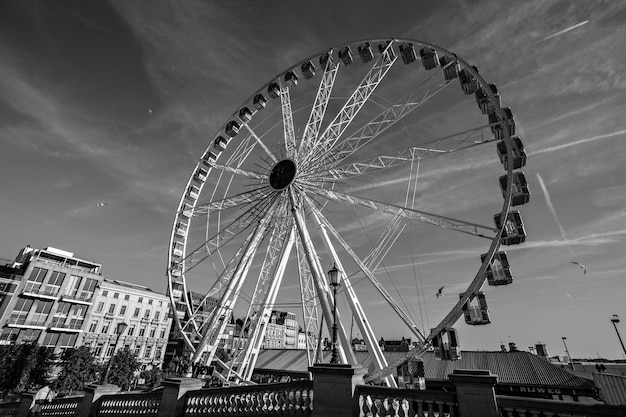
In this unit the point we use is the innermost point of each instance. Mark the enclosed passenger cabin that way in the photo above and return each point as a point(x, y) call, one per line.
point(181, 229)
point(273, 90)
point(521, 193)
point(291, 79)
point(193, 192)
point(176, 269)
point(259, 102)
point(308, 70)
point(365, 52)
point(209, 159)
point(450, 67)
point(187, 211)
point(201, 175)
point(508, 123)
point(232, 128)
point(446, 345)
point(177, 250)
point(498, 271)
point(429, 58)
point(469, 84)
point(475, 310)
point(513, 232)
point(485, 105)
point(517, 149)
point(324, 58)
point(385, 46)
point(407, 52)
point(345, 54)
point(220, 143)
point(245, 115)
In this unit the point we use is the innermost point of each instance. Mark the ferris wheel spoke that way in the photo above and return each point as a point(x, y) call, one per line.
point(242, 172)
point(387, 119)
point(234, 201)
point(309, 304)
point(383, 292)
point(409, 213)
point(316, 116)
point(442, 146)
point(288, 131)
point(264, 297)
point(322, 146)
point(217, 322)
point(261, 143)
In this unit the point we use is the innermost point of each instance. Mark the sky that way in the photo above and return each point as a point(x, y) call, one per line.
point(115, 102)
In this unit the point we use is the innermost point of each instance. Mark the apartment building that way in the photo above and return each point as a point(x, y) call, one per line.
point(145, 313)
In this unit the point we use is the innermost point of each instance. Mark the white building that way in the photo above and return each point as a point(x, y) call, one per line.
point(146, 314)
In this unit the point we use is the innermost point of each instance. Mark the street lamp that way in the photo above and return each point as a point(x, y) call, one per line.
point(119, 330)
point(571, 362)
point(333, 275)
point(615, 320)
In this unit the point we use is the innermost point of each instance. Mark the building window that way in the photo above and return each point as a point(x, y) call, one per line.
point(38, 275)
point(150, 301)
point(137, 350)
point(50, 340)
point(140, 300)
point(136, 313)
point(110, 349)
point(20, 312)
point(159, 352)
point(163, 334)
point(147, 314)
point(112, 309)
point(98, 350)
point(122, 310)
point(142, 331)
point(105, 327)
point(152, 332)
point(105, 293)
point(100, 307)
point(116, 295)
point(66, 341)
point(157, 315)
point(75, 282)
point(148, 352)
point(93, 327)
point(55, 282)
point(131, 331)
point(90, 287)
point(127, 297)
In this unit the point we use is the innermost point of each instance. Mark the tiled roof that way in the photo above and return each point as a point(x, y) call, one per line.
point(511, 367)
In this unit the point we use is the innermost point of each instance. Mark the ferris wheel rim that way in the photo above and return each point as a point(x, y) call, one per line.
point(475, 284)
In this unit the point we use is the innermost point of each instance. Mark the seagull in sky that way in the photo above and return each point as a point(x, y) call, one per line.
point(583, 267)
point(439, 292)
point(150, 111)
point(101, 204)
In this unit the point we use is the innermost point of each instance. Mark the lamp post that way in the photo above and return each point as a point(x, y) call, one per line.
point(571, 363)
point(119, 330)
point(333, 275)
point(615, 320)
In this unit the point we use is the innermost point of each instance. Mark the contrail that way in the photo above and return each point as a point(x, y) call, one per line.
point(578, 142)
point(577, 25)
point(553, 211)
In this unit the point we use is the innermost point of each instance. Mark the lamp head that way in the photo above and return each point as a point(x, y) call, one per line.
point(121, 327)
point(333, 274)
point(615, 318)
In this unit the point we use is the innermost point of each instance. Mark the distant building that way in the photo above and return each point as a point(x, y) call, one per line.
point(301, 340)
point(146, 313)
point(282, 331)
point(46, 296)
point(402, 345)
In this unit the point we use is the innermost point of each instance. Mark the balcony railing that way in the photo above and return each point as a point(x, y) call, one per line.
point(84, 296)
point(35, 288)
point(20, 320)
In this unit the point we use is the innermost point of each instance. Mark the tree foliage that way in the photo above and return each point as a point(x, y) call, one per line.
point(78, 369)
point(123, 367)
point(152, 377)
point(24, 366)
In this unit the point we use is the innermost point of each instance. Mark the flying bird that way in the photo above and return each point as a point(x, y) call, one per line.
point(439, 292)
point(101, 204)
point(583, 267)
point(150, 111)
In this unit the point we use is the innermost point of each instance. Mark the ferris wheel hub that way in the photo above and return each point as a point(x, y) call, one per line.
point(282, 174)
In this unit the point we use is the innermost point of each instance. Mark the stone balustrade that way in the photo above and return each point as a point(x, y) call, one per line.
point(9, 409)
point(129, 405)
point(377, 401)
point(61, 407)
point(285, 399)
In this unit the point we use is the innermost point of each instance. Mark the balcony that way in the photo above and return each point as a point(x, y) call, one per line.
point(78, 297)
point(36, 290)
point(20, 320)
point(76, 327)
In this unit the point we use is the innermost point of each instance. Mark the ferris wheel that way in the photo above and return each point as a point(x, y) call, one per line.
point(348, 158)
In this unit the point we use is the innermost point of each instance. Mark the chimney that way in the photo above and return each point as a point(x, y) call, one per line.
point(502, 347)
point(541, 349)
point(512, 347)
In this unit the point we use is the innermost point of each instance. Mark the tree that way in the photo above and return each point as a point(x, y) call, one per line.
point(24, 366)
point(78, 369)
point(124, 364)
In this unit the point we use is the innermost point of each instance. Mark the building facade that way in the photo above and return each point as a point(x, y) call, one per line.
point(146, 314)
point(47, 294)
point(282, 331)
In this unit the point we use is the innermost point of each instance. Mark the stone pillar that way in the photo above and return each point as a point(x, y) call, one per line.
point(89, 405)
point(333, 388)
point(475, 392)
point(172, 401)
point(26, 401)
